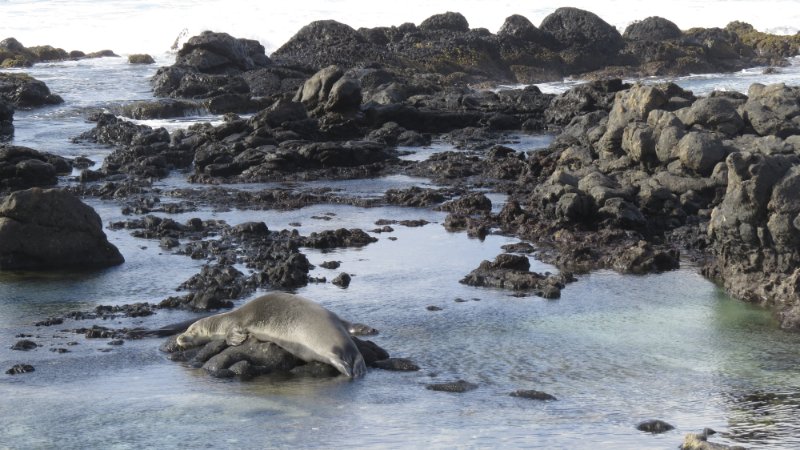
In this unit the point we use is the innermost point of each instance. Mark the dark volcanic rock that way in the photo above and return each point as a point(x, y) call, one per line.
point(590, 42)
point(338, 238)
point(327, 42)
point(449, 21)
point(533, 395)
point(22, 167)
point(24, 345)
point(654, 426)
point(458, 387)
point(652, 29)
point(519, 27)
point(396, 364)
point(19, 369)
point(509, 271)
point(50, 229)
point(212, 52)
point(755, 233)
point(254, 358)
point(140, 150)
point(24, 91)
point(342, 280)
point(141, 58)
point(6, 120)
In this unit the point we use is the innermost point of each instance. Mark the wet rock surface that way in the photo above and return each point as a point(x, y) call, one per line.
point(255, 358)
point(24, 91)
point(17, 369)
point(15, 55)
point(533, 395)
point(512, 272)
point(654, 426)
point(22, 167)
point(458, 387)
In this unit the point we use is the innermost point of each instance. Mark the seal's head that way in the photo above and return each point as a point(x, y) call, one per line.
point(195, 335)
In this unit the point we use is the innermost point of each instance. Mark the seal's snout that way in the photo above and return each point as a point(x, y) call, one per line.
point(183, 340)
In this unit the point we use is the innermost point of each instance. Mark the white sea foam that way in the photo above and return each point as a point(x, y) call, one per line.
point(131, 26)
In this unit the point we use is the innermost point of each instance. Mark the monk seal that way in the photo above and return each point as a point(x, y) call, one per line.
point(297, 324)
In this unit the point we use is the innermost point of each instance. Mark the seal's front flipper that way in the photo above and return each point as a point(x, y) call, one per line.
point(236, 336)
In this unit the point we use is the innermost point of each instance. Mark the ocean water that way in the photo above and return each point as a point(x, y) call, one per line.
point(615, 350)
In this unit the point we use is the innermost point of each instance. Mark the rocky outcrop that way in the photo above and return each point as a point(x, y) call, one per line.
point(6, 120)
point(512, 272)
point(754, 230)
point(22, 167)
point(652, 29)
point(139, 149)
point(393, 64)
point(226, 72)
point(141, 58)
point(256, 358)
point(14, 54)
point(50, 229)
point(24, 91)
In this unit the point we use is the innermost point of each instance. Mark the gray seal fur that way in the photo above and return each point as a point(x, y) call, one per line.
point(298, 325)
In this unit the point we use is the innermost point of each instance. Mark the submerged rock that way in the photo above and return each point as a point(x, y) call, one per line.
point(19, 369)
point(22, 167)
point(458, 387)
point(24, 345)
point(654, 426)
point(533, 395)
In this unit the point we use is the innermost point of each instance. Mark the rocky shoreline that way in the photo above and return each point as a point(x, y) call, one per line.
point(637, 175)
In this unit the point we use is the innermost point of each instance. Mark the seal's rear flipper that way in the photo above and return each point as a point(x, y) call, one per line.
point(236, 336)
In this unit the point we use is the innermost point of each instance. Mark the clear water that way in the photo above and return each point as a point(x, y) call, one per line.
point(614, 349)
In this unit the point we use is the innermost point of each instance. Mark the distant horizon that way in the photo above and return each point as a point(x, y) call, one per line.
point(151, 26)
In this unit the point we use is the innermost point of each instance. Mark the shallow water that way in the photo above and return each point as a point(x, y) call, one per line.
point(614, 350)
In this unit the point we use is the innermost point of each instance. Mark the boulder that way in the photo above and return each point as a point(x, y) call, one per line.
point(449, 21)
point(44, 229)
point(701, 152)
point(572, 27)
point(345, 96)
point(316, 89)
point(24, 91)
point(6, 120)
point(212, 52)
point(582, 99)
point(630, 105)
point(654, 426)
point(639, 143)
point(22, 167)
point(328, 42)
point(714, 114)
point(652, 29)
point(773, 109)
point(519, 27)
point(140, 58)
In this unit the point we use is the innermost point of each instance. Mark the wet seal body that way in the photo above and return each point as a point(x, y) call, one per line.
point(297, 324)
